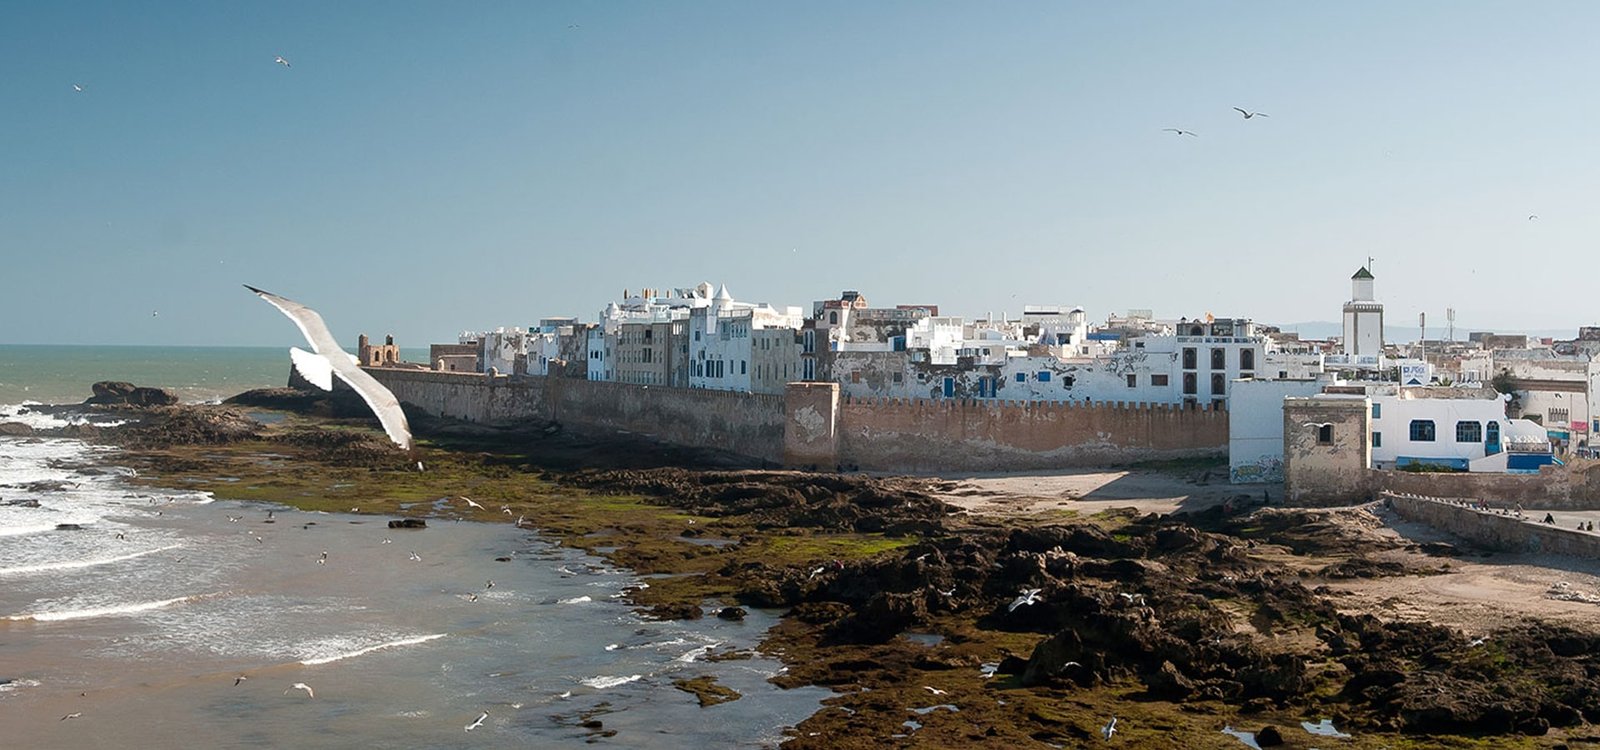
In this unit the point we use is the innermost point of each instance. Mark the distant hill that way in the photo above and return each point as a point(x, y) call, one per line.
point(1322, 329)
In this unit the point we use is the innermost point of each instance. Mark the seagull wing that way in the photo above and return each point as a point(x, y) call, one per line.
point(1242, 112)
point(382, 402)
point(314, 368)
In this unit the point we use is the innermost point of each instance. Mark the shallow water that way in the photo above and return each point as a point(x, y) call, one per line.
point(145, 635)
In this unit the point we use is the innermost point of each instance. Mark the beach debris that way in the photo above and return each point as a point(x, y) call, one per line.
point(1323, 728)
point(1248, 738)
point(1563, 591)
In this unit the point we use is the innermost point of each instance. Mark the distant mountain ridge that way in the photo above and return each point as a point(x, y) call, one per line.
point(1322, 329)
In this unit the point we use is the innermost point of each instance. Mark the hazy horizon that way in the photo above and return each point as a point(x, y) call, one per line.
point(420, 169)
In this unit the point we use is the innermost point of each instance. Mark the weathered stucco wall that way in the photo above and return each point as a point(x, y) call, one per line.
point(1493, 530)
point(906, 435)
point(467, 396)
point(1325, 450)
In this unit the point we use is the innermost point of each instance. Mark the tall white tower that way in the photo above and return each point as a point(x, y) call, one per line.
point(1363, 318)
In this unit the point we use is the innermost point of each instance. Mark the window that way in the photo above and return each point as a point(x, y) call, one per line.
point(1067, 381)
point(696, 335)
point(855, 377)
point(648, 334)
point(1133, 380)
point(1283, 374)
point(1469, 432)
point(833, 317)
point(949, 387)
point(1247, 359)
point(1325, 434)
point(1190, 357)
point(649, 354)
point(1219, 384)
point(1377, 411)
point(1022, 377)
point(899, 377)
point(742, 365)
point(1219, 359)
point(1189, 384)
point(1377, 440)
point(1158, 380)
point(1044, 376)
point(1421, 430)
point(1556, 417)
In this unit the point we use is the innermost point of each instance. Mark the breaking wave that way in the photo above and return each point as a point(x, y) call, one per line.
point(601, 683)
point(84, 614)
point(44, 567)
point(363, 651)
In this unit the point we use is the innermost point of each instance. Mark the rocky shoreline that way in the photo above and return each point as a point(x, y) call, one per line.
point(1178, 625)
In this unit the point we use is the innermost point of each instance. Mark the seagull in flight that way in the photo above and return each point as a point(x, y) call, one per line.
point(1109, 729)
point(239, 679)
point(471, 503)
point(1028, 597)
point(78, 88)
point(1248, 114)
point(1317, 425)
point(73, 715)
point(301, 686)
point(330, 360)
point(279, 60)
point(1180, 131)
point(934, 690)
point(416, 557)
point(479, 722)
point(1533, 217)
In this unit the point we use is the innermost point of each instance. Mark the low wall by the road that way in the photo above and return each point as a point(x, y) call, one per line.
point(1575, 486)
point(1494, 529)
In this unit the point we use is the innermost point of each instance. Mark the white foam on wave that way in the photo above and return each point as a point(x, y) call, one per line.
point(84, 614)
point(18, 684)
point(45, 567)
point(363, 651)
point(689, 656)
point(24, 530)
point(575, 600)
point(601, 683)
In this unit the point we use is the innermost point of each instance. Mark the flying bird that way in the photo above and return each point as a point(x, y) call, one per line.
point(1531, 217)
point(1248, 115)
point(471, 503)
point(1028, 597)
point(479, 722)
point(1109, 729)
point(934, 690)
point(1317, 425)
point(77, 88)
point(279, 60)
point(73, 715)
point(1181, 132)
point(416, 557)
point(239, 679)
point(330, 360)
point(301, 686)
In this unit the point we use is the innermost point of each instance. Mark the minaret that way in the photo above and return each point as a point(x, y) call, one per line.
point(1363, 318)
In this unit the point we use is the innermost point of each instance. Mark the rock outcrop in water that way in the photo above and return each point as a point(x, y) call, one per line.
point(119, 393)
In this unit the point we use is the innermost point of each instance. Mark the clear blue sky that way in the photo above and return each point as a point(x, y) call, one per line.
point(429, 167)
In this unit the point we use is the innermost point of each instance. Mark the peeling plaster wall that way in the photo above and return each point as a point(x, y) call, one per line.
point(1332, 473)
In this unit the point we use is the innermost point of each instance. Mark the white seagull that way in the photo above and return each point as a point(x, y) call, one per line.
point(1028, 597)
point(301, 686)
point(279, 60)
point(1109, 729)
point(77, 88)
point(471, 503)
point(73, 715)
point(1248, 115)
point(1181, 132)
point(934, 690)
point(416, 557)
point(330, 360)
point(479, 722)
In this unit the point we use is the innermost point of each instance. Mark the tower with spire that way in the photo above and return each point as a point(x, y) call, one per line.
point(1363, 318)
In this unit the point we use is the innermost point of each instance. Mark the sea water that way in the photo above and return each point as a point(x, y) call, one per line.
point(140, 609)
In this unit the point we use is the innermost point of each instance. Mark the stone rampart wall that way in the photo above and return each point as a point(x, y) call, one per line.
point(1492, 529)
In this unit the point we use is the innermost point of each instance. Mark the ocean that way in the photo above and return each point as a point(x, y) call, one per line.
point(136, 611)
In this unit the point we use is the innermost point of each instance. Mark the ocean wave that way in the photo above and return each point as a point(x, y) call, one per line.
point(574, 600)
point(69, 565)
point(84, 614)
point(695, 653)
point(25, 530)
point(363, 651)
point(8, 686)
point(601, 683)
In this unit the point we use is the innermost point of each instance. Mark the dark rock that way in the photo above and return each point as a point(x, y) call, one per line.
point(820, 613)
point(675, 611)
point(1169, 684)
point(110, 392)
point(69, 527)
point(15, 429)
point(26, 502)
point(1012, 664)
point(731, 613)
point(408, 523)
point(592, 724)
point(1269, 736)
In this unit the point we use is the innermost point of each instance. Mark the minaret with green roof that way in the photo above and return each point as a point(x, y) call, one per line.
point(1363, 318)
